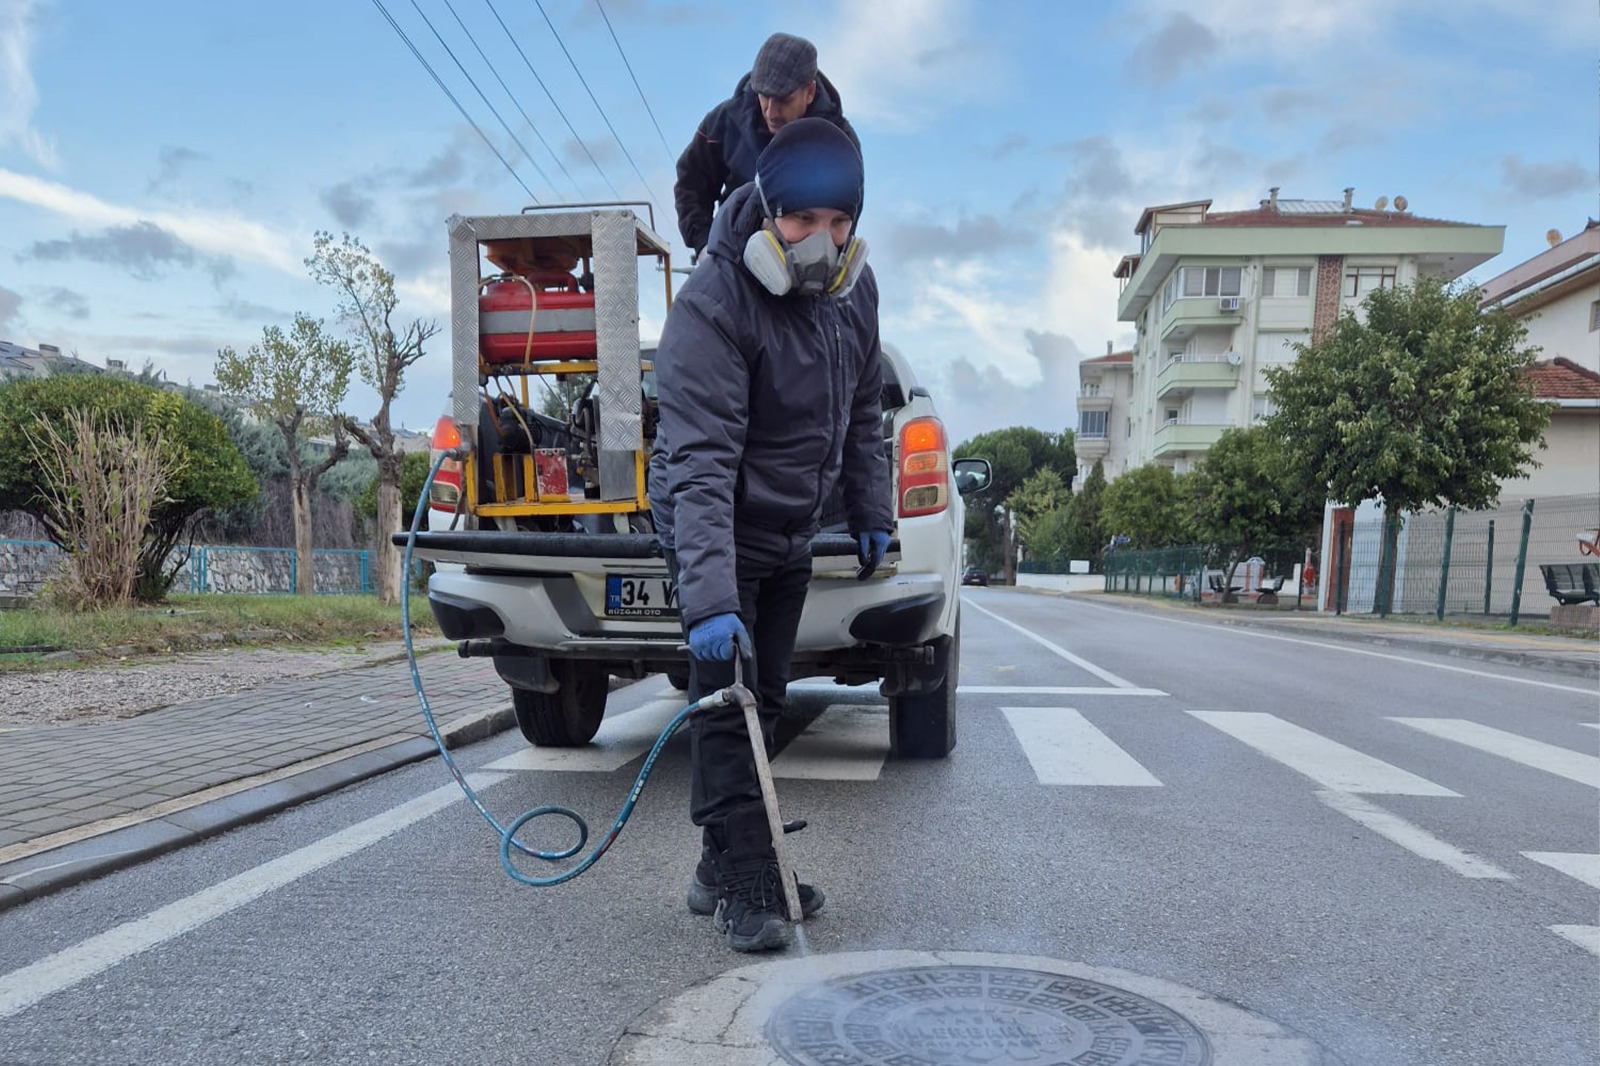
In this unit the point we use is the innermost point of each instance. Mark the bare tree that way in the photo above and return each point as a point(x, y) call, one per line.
point(298, 383)
point(367, 303)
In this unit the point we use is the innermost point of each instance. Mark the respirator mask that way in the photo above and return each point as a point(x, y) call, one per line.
point(810, 267)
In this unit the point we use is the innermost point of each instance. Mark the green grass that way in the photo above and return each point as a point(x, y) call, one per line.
point(205, 621)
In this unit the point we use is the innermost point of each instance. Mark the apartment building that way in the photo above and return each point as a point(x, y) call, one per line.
point(1104, 389)
point(1217, 297)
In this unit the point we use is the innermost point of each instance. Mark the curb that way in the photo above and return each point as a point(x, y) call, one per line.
point(44, 872)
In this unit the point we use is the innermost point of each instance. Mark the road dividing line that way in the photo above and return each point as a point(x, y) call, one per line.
point(1055, 690)
point(1418, 841)
point(21, 989)
point(1327, 762)
point(619, 741)
point(1585, 868)
point(1585, 936)
point(1066, 749)
point(1563, 762)
point(847, 742)
point(1104, 675)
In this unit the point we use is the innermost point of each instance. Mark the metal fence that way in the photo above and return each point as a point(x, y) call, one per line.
point(26, 565)
point(1460, 563)
point(1170, 571)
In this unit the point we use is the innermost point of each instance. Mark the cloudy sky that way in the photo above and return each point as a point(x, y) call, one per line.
point(163, 166)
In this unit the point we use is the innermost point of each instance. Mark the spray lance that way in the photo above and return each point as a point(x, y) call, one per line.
point(737, 694)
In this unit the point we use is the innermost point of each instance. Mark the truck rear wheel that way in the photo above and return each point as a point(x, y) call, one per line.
point(923, 725)
point(567, 718)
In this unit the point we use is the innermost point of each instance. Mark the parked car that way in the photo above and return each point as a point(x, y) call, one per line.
point(975, 575)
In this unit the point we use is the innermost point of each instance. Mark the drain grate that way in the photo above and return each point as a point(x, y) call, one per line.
point(979, 1015)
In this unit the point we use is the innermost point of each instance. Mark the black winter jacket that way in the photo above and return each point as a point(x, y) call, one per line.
point(723, 154)
point(766, 403)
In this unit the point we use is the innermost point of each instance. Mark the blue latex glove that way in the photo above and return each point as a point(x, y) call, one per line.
point(872, 546)
point(712, 639)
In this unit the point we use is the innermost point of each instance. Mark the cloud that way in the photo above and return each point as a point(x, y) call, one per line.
point(1539, 181)
point(69, 302)
point(171, 162)
point(1010, 144)
point(142, 248)
point(218, 233)
point(623, 12)
point(975, 399)
point(249, 311)
point(411, 257)
point(349, 206)
point(18, 94)
point(983, 235)
point(895, 63)
point(10, 304)
point(1180, 43)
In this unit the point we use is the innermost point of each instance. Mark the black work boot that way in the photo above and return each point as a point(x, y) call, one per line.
point(703, 889)
point(750, 905)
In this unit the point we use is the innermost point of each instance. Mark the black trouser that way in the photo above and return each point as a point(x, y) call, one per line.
point(723, 769)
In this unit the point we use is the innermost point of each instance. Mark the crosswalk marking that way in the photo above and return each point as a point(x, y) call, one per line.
point(847, 743)
point(1056, 690)
point(1563, 762)
point(1065, 749)
point(1585, 936)
point(1082, 663)
point(1327, 762)
point(1585, 868)
point(1414, 839)
point(619, 741)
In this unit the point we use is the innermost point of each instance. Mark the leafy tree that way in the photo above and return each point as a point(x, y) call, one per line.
point(1143, 505)
point(415, 473)
point(1041, 495)
point(367, 303)
point(1246, 498)
point(297, 382)
point(211, 472)
point(1423, 403)
point(1082, 526)
point(1014, 454)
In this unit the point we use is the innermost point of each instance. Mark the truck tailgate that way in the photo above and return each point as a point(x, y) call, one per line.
point(571, 553)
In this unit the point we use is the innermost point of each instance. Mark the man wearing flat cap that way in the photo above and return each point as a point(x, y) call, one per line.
point(769, 374)
point(782, 86)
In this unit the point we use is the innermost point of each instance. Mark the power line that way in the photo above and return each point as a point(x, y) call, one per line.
point(551, 97)
point(446, 90)
point(585, 82)
point(503, 124)
point(509, 93)
point(636, 85)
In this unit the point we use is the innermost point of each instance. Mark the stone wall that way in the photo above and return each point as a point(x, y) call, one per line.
point(25, 566)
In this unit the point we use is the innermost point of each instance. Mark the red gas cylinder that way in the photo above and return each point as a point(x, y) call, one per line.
point(547, 305)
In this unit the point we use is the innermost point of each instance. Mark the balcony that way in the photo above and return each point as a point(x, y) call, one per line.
point(1178, 437)
point(1190, 313)
point(1197, 372)
point(1094, 398)
point(1091, 447)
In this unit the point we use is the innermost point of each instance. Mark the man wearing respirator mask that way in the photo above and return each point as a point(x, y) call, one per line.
point(769, 375)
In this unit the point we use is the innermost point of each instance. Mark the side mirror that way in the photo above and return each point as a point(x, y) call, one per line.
point(972, 475)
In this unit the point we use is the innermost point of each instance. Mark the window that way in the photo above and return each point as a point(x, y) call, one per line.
point(1362, 280)
point(1594, 316)
point(1092, 425)
point(1211, 281)
point(1263, 406)
point(1172, 415)
point(1286, 281)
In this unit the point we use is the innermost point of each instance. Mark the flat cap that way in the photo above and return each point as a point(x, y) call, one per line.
point(784, 64)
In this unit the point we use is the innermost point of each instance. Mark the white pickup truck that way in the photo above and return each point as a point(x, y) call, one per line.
point(560, 613)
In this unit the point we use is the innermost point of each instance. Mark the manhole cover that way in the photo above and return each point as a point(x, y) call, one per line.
point(982, 1015)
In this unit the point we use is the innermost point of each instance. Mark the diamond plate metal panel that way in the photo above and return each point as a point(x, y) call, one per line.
point(464, 324)
point(616, 311)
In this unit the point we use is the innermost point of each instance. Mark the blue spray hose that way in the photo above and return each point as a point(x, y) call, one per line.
point(508, 833)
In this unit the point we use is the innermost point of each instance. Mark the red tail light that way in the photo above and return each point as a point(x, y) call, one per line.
point(924, 468)
point(445, 492)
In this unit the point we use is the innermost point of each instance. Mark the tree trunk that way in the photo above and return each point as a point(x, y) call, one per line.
point(1387, 561)
point(305, 581)
point(390, 520)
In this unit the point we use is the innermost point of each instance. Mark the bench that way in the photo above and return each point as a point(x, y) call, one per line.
point(1572, 583)
point(1268, 594)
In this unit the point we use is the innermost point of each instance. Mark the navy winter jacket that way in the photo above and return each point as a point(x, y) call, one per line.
point(767, 402)
point(723, 154)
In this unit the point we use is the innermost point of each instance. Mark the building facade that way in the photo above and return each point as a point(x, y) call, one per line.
point(1104, 389)
point(1216, 298)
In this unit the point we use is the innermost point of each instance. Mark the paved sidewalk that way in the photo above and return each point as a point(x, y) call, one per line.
point(79, 800)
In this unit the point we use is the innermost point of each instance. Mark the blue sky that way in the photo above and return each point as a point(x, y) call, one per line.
point(164, 165)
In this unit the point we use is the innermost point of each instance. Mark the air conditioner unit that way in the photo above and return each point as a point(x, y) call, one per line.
point(1228, 303)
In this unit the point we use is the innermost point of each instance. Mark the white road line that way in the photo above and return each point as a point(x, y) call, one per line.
point(1415, 840)
point(1327, 762)
point(21, 989)
point(619, 741)
point(1563, 762)
point(1585, 936)
point(1256, 634)
point(1585, 868)
point(847, 742)
point(1104, 675)
point(1066, 749)
point(1055, 690)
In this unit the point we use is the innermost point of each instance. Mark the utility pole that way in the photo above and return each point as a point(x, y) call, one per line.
point(1008, 547)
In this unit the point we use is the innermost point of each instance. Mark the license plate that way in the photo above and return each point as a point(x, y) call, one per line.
point(640, 597)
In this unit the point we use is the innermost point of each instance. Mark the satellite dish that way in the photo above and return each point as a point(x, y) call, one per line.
point(1400, 203)
point(1554, 237)
point(1234, 358)
point(1382, 204)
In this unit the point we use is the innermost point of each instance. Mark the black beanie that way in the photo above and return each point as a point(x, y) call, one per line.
point(811, 163)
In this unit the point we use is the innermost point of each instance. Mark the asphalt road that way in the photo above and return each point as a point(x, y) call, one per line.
point(1396, 856)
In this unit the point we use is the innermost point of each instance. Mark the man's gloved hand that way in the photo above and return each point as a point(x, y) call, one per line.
point(870, 553)
point(712, 639)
